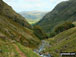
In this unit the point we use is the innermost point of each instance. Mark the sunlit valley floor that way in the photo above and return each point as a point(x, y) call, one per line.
point(33, 16)
point(53, 34)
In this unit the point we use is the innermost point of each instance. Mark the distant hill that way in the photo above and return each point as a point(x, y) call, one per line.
point(64, 11)
point(32, 16)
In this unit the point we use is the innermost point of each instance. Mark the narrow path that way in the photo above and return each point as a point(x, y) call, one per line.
point(19, 51)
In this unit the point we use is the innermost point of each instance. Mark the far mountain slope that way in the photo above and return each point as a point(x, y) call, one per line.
point(64, 11)
point(33, 16)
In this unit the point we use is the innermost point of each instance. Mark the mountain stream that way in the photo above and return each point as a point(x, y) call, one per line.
point(42, 47)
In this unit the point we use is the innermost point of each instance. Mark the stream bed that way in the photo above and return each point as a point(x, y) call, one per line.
point(42, 47)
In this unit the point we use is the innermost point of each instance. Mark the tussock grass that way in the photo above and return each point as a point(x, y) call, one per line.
point(27, 51)
point(63, 42)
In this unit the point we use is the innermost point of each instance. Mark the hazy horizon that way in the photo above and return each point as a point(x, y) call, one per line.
point(32, 5)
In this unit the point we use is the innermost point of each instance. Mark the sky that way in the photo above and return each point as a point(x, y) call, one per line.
point(32, 5)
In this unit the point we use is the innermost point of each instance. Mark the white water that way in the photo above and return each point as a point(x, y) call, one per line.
point(41, 48)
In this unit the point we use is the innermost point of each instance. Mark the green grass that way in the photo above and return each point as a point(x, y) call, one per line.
point(17, 32)
point(27, 51)
point(15, 27)
point(8, 50)
point(63, 42)
point(64, 11)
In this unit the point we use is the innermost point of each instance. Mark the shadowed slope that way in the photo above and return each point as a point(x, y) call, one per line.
point(64, 11)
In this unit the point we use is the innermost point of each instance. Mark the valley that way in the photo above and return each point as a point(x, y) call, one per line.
point(33, 16)
point(38, 34)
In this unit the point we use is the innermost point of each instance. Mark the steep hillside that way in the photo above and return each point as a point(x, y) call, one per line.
point(15, 27)
point(63, 42)
point(64, 11)
point(33, 16)
point(8, 12)
point(9, 48)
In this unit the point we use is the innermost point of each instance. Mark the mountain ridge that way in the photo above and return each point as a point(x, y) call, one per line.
point(64, 11)
point(5, 10)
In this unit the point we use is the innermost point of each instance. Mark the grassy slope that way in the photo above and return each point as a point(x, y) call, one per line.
point(64, 11)
point(28, 52)
point(10, 32)
point(7, 49)
point(14, 28)
point(17, 32)
point(7, 11)
point(63, 42)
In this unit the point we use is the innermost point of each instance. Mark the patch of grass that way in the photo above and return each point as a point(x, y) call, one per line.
point(7, 49)
point(19, 33)
point(15, 27)
point(27, 51)
point(63, 42)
